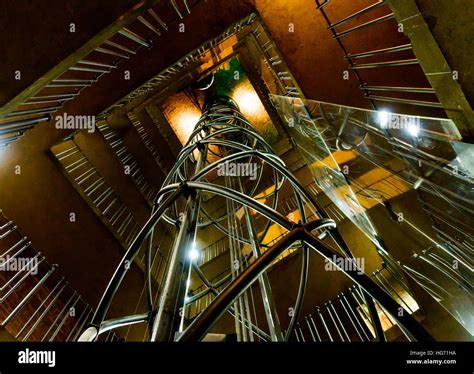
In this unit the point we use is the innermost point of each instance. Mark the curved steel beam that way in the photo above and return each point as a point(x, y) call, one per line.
point(129, 256)
point(206, 320)
point(202, 324)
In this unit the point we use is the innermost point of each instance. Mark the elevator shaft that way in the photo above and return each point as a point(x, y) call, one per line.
point(226, 161)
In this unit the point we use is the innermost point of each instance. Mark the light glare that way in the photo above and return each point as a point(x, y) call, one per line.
point(413, 129)
point(249, 103)
point(383, 118)
point(193, 254)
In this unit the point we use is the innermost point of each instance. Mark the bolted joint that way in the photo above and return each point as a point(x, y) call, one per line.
point(186, 190)
point(200, 146)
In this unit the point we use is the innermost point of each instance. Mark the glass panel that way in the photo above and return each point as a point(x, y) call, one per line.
point(320, 160)
point(419, 153)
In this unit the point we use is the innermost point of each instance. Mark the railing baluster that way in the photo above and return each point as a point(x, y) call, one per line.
point(38, 321)
point(135, 37)
point(309, 328)
point(65, 307)
point(175, 6)
point(334, 322)
point(22, 279)
point(158, 19)
point(363, 25)
point(27, 298)
point(25, 325)
point(355, 315)
point(315, 328)
point(66, 316)
point(324, 324)
point(356, 14)
point(149, 25)
point(79, 330)
point(331, 305)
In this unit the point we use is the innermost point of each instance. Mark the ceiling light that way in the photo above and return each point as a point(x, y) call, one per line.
point(193, 254)
point(383, 117)
point(249, 103)
point(413, 129)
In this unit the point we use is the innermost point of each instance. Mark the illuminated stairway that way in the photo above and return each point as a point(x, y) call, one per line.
point(36, 303)
point(358, 166)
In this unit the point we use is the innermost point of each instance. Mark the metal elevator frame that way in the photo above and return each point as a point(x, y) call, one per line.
point(223, 136)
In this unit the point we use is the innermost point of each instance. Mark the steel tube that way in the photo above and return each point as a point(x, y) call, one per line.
point(427, 90)
point(112, 53)
point(383, 64)
point(22, 279)
point(120, 272)
point(122, 321)
point(94, 63)
point(176, 8)
point(406, 101)
point(356, 14)
point(121, 47)
point(315, 328)
point(202, 324)
point(157, 19)
point(33, 111)
point(416, 331)
point(65, 308)
point(350, 318)
point(354, 315)
point(376, 52)
point(135, 37)
point(149, 25)
point(79, 320)
point(66, 316)
point(331, 306)
point(334, 323)
point(318, 310)
point(28, 296)
point(265, 287)
point(38, 321)
point(19, 125)
point(25, 325)
point(364, 25)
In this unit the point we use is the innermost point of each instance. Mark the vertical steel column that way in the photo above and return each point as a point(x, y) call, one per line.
point(171, 300)
point(239, 326)
point(265, 287)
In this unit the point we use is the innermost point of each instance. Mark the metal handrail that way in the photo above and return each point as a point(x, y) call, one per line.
point(19, 110)
point(34, 315)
